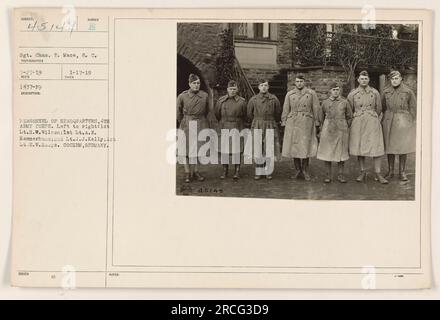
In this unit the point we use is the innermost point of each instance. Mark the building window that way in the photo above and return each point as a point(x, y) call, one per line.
point(261, 31)
point(257, 31)
point(240, 29)
point(330, 27)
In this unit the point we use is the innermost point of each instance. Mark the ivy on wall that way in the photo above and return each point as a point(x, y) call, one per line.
point(352, 46)
point(225, 59)
point(310, 41)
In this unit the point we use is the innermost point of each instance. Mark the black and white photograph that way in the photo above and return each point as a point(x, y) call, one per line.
point(230, 150)
point(297, 110)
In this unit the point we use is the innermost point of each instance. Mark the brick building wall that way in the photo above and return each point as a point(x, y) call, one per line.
point(255, 74)
point(286, 33)
point(284, 56)
point(200, 44)
point(319, 79)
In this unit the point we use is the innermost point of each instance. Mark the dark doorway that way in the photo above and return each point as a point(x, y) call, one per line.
point(184, 69)
point(375, 80)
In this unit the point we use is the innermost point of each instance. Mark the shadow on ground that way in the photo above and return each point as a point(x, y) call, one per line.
point(283, 187)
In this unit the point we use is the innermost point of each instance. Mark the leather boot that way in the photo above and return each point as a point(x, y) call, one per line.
point(362, 177)
point(225, 172)
point(237, 172)
point(390, 173)
point(341, 178)
point(305, 167)
point(402, 165)
point(381, 179)
point(402, 176)
point(328, 177)
point(198, 177)
point(297, 164)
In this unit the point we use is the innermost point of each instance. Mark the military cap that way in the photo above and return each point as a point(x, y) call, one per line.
point(364, 73)
point(193, 77)
point(334, 85)
point(232, 83)
point(394, 73)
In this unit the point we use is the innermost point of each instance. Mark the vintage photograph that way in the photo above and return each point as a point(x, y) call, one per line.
point(253, 148)
point(297, 111)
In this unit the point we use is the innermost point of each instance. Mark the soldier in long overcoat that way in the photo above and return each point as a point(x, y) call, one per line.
point(300, 118)
point(192, 109)
point(399, 123)
point(335, 115)
point(366, 137)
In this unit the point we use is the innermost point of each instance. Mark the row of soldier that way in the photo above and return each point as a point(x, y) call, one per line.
point(365, 124)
